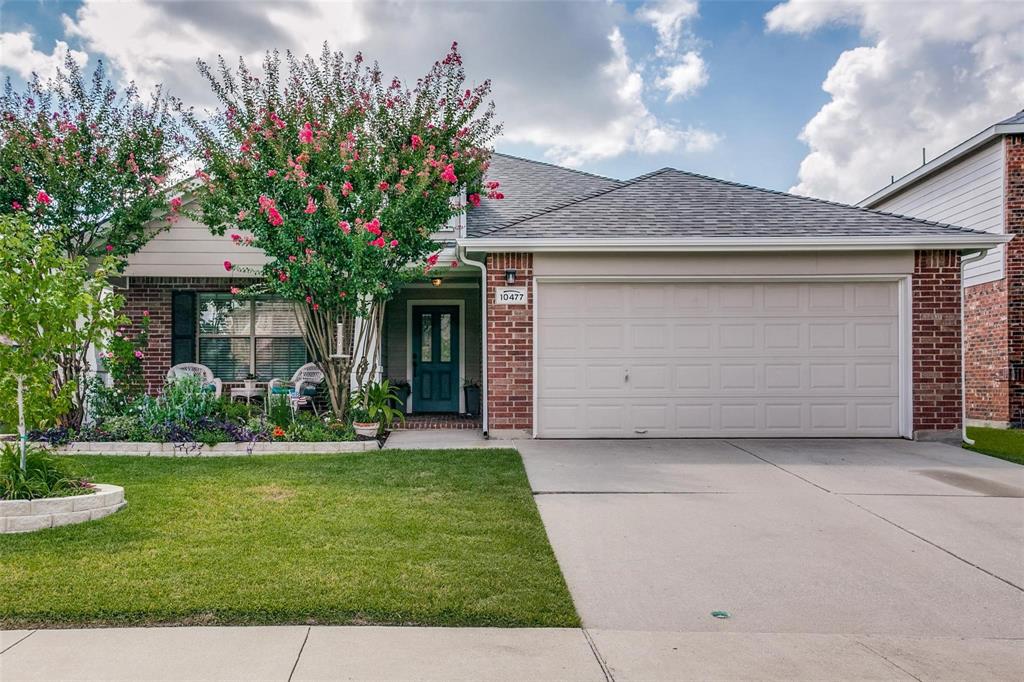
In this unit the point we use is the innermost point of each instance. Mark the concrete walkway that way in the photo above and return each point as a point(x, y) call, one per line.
point(395, 653)
point(441, 439)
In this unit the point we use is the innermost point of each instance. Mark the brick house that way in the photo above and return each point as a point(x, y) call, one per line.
point(980, 184)
point(669, 305)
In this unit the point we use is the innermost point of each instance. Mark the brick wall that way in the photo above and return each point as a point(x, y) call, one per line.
point(509, 347)
point(153, 294)
point(1014, 222)
point(986, 338)
point(936, 342)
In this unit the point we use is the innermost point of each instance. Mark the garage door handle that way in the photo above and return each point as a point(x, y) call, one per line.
point(627, 374)
point(641, 431)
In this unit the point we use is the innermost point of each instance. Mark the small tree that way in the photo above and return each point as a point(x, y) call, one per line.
point(85, 166)
point(49, 303)
point(340, 178)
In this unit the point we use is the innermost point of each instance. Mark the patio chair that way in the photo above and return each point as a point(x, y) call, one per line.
point(301, 389)
point(194, 369)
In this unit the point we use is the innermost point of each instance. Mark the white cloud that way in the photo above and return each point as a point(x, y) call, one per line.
point(18, 54)
point(560, 81)
point(669, 19)
point(933, 75)
point(684, 78)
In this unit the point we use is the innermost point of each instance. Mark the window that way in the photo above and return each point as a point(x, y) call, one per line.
point(241, 337)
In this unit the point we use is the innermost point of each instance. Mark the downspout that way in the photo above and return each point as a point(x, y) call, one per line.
point(963, 342)
point(461, 254)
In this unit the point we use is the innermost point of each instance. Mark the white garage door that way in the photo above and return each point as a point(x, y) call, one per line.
point(628, 360)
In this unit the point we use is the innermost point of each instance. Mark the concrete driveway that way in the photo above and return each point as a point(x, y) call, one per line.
point(912, 551)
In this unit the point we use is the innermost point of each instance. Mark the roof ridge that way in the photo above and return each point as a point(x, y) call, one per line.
point(822, 201)
point(555, 165)
point(620, 184)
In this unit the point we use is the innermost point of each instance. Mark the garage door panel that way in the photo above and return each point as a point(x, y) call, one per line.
point(719, 359)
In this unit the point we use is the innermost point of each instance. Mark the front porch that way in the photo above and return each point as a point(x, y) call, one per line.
point(432, 342)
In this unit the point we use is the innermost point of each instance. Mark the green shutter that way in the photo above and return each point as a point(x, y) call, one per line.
point(183, 327)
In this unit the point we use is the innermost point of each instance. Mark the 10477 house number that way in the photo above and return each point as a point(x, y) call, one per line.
point(510, 295)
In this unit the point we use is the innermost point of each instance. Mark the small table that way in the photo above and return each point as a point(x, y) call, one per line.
point(248, 393)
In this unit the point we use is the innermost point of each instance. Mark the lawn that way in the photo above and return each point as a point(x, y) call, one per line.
point(406, 537)
point(1005, 444)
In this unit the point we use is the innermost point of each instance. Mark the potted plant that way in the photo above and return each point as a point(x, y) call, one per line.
point(363, 423)
point(471, 387)
point(374, 408)
point(250, 381)
point(402, 391)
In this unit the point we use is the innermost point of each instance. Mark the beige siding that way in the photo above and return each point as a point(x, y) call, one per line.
point(188, 249)
point(711, 264)
point(968, 193)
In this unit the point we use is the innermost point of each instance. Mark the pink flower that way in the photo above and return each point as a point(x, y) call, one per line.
point(383, 186)
point(378, 242)
point(345, 227)
point(309, 299)
point(227, 265)
point(291, 259)
point(300, 239)
point(346, 188)
point(448, 175)
point(416, 141)
point(454, 264)
point(274, 217)
point(242, 215)
point(271, 173)
point(316, 306)
point(235, 291)
point(283, 276)
point(109, 247)
point(138, 354)
point(236, 238)
point(394, 243)
point(306, 134)
point(474, 199)
point(145, 313)
point(277, 120)
point(310, 204)
point(15, 205)
point(432, 260)
point(43, 198)
point(373, 226)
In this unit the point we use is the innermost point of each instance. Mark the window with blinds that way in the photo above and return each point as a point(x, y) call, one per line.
point(236, 338)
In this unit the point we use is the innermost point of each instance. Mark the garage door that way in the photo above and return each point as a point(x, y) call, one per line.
point(629, 360)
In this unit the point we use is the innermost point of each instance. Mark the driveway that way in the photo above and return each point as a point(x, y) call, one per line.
point(892, 545)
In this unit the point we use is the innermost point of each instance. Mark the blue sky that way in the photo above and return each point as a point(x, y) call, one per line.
point(588, 84)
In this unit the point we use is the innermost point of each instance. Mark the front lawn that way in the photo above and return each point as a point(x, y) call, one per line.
point(412, 537)
point(1005, 444)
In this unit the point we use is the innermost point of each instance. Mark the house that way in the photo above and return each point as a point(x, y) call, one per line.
point(668, 305)
point(980, 184)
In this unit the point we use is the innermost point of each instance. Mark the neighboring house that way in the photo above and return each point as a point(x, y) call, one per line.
point(980, 184)
point(669, 305)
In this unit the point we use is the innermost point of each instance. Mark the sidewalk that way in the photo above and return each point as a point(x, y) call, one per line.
point(408, 653)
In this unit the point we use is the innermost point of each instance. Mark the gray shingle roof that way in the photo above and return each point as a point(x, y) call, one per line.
point(674, 204)
point(1013, 120)
point(529, 186)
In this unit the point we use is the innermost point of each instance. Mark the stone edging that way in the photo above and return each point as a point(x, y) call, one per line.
point(220, 449)
point(20, 516)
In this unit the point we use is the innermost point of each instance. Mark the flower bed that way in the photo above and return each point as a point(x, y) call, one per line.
point(216, 450)
point(21, 516)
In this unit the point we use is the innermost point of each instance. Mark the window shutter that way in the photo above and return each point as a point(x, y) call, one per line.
point(183, 327)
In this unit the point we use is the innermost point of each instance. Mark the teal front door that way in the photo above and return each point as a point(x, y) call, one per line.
point(435, 359)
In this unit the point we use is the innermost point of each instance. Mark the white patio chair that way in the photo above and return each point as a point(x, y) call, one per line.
point(194, 369)
point(301, 389)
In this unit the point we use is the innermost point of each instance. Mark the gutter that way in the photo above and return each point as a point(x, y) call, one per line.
point(963, 343)
point(965, 242)
point(461, 254)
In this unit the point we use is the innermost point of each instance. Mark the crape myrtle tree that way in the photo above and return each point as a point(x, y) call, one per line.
point(86, 166)
point(340, 177)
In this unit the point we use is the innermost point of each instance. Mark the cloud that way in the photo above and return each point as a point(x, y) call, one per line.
point(18, 54)
point(563, 79)
point(683, 72)
point(669, 18)
point(684, 78)
point(932, 75)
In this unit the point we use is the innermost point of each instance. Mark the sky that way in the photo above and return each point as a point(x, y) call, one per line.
point(818, 97)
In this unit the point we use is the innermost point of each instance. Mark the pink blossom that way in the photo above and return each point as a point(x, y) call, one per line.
point(300, 239)
point(175, 203)
point(309, 299)
point(306, 134)
point(394, 243)
point(274, 216)
point(373, 226)
point(145, 313)
point(15, 205)
point(378, 242)
point(43, 198)
point(283, 276)
point(345, 227)
point(432, 260)
point(236, 237)
point(346, 188)
point(474, 199)
point(227, 265)
point(448, 175)
point(277, 120)
point(416, 141)
point(454, 264)
point(383, 186)
point(310, 204)
point(242, 215)
point(271, 173)
point(109, 247)
point(291, 259)
point(235, 291)
point(138, 354)
point(316, 306)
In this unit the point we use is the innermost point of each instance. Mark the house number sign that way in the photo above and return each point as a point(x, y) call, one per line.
point(510, 295)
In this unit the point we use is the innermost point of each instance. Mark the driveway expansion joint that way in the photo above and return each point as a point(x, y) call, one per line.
point(8, 648)
point(299, 655)
point(886, 659)
point(597, 655)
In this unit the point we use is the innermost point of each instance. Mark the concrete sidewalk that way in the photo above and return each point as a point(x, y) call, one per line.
point(408, 653)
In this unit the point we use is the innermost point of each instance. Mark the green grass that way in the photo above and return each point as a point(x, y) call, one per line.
point(1005, 444)
point(403, 537)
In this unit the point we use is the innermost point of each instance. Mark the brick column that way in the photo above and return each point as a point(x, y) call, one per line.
point(936, 345)
point(988, 398)
point(509, 350)
point(1014, 222)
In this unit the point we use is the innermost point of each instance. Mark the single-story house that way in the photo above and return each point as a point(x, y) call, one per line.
point(669, 305)
point(980, 184)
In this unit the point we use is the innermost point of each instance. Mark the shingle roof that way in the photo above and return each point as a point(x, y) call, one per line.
point(674, 204)
point(529, 186)
point(1013, 120)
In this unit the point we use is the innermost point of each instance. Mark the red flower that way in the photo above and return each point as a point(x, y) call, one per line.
point(432, 260)
point(274, 216)
point(373, 226)
point(236, 238)
point(309, 299)
point(474, 199)
point(417, 141)
point(43, 198)
point(109, 247)
point(227, 265)
point(271, 173)
point(310, 205)
point(346, 188)
point(306, 134)
point(448, 175)
point(15, 205)
point(394, 243)
point(383, 186)
point(345, 227)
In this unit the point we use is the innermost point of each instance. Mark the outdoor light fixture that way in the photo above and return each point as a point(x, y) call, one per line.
point(510, 277)
point(436, 281)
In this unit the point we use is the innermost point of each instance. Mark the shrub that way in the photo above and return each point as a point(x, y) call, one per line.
point(184, 401)
point(279, 410)
point(308, 428)
point(44, 476)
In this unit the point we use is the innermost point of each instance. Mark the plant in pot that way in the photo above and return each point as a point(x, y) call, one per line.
point(374, 408)
point(403, 389)
point(471, 387)
point(250, 381)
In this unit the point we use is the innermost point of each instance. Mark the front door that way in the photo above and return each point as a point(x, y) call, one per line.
point(435, 359)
